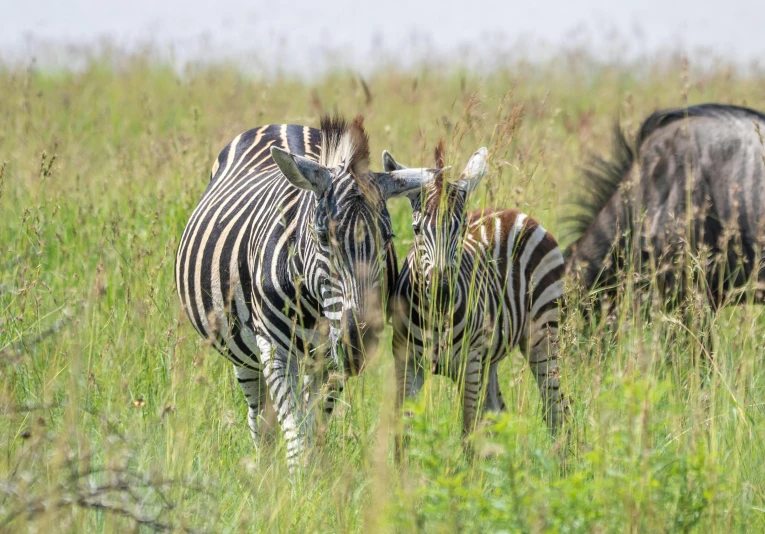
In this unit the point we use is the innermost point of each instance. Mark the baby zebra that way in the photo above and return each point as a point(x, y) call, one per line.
point(476, 285)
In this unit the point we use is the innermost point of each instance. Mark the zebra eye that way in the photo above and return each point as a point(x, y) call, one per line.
point(417, 227)
point(322, 235)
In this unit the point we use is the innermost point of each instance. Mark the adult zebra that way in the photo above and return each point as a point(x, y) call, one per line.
point(290, 237)
point(478, 284)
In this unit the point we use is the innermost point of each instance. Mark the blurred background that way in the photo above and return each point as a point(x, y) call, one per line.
point(305, 37)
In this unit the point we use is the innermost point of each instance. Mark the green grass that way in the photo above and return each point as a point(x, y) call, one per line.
point(112, 407)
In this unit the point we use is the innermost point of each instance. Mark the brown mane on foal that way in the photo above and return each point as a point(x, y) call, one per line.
point(436, 189)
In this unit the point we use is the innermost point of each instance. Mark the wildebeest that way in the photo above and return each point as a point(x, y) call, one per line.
point(687, 205)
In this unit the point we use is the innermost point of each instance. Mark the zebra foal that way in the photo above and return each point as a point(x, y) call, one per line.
point(284, 264)
point(473, 287)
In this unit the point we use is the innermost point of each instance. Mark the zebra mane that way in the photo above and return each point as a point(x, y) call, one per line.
point(436, 188)
point(438, 155)
point(601, 178)
point(438, 182)
point(346, 143)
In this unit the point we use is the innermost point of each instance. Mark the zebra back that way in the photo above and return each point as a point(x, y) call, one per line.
point(528, 263)
point(244, 203)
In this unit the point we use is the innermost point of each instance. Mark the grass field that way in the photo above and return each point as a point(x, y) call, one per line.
point(115, 415)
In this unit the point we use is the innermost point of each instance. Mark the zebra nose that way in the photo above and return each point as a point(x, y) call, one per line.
point(441, 289)
point(444, 292)
point(355, 339)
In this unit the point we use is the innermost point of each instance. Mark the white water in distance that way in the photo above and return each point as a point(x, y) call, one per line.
point(307, 36)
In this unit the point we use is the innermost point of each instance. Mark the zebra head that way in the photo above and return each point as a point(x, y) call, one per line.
point(350, 236)
point(439, 222)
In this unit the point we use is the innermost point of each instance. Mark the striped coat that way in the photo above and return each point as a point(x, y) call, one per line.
point(473, 288)
point(284, 263)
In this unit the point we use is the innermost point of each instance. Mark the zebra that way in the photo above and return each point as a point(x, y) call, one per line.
point(473, 287)
point(693, 182)
point(283, 263)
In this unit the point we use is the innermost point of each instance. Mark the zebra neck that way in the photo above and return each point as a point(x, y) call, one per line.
point(309, 263)
point(478, 255)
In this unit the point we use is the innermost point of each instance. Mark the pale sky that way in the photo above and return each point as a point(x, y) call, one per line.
point(298, 35)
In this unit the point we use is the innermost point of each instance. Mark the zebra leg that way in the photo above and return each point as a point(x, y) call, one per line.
point(494, 401)
point(253, 386)
point(334, 385)
point(409, 381)
point(471, 395)
point(285, 384)
point(541, 351)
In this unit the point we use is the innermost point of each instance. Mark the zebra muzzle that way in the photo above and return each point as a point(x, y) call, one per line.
point(441, 292)
point(356, 339)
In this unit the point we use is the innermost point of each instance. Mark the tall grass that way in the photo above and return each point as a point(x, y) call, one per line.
point(116, 415)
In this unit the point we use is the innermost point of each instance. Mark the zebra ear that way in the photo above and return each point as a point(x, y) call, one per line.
point(390, 164)
point(474, 170)
point(302, 172)
point(404, 181)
